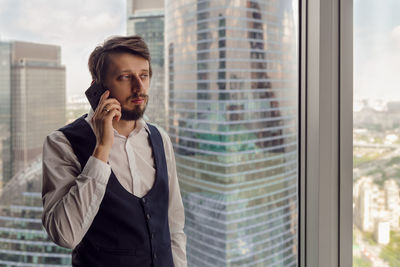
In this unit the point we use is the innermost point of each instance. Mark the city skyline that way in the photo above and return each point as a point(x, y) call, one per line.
point(209, 124)
point(94, 21)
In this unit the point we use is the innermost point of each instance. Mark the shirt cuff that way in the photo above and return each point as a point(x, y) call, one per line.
point(97, 169)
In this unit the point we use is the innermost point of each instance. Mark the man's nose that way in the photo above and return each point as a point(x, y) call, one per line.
point(136, 84)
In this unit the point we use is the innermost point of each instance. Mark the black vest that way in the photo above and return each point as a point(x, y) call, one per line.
point(127, 231)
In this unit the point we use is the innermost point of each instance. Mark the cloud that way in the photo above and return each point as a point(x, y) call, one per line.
point(396, 34)
point(77, 26)
point(67, 23)
point(376, 67)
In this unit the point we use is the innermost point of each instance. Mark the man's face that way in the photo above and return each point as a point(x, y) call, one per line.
point(128, 80)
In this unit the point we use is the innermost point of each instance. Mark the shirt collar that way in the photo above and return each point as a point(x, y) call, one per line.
point(140, 123)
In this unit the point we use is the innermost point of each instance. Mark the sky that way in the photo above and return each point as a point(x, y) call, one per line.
point(78, 26)
point(75, 25)
point(377, 50)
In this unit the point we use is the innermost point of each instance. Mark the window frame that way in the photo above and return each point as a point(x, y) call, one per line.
point(326, 127)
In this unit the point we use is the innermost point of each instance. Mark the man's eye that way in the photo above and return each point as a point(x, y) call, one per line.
point(125, 77)
point(144, 76)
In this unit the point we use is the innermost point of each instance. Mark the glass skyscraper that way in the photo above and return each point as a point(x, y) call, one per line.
point(23, 240)
point(232, 76)
point(5, 112)
point(146, 18)
point(32, 89)
point(37, 99)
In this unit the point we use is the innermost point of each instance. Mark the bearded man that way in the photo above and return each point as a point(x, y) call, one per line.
point(110, 188)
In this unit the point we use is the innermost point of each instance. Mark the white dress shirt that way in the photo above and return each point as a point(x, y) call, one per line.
point(72, 196)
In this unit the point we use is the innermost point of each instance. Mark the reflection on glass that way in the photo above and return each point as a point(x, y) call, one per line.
point(233, 89)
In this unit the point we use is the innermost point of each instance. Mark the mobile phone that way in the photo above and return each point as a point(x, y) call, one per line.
point(93, 94)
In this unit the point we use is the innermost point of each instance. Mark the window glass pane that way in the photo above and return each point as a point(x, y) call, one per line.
point(376, 154)
point(225, 87)
point(233, 103)
point(32, 95)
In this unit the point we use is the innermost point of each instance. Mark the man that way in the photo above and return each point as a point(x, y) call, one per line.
point(110, 189)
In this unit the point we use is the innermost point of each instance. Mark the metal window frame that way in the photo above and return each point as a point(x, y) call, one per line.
point(326, 126)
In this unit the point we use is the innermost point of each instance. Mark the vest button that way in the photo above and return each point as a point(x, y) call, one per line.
point(143, 200)
point(152, 235)
point(155, 256)
point(148, 216)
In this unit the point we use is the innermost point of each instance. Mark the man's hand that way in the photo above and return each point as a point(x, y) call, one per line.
point(106, 111)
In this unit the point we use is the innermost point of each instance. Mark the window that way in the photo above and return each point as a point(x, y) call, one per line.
point(376, 197)
point(238, 117)
point(237, 150)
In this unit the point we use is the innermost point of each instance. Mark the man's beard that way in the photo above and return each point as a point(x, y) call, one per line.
point(136, 113)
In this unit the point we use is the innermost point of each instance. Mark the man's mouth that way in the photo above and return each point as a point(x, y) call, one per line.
point(137, 100)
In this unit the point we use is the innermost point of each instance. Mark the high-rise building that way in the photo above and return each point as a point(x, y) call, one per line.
point(32, 92)
point(392, 201)
point(365, 205)
point(382, 231)
point(233, 100)
point(5, 112)
point(392, 196)
point(23, 240)
point(146, 18)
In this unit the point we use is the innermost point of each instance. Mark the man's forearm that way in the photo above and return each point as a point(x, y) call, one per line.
point(178, 245)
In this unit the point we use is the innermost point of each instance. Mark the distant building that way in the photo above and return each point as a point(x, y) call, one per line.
point(146, 18)
point(382, 232)
point(393, 107)
point(392, 201)
point(23, 240)
point(370, 204)
point(392, 197)
point(5, 112)
point(365, 206)
point(376, 210)
point(378, 117)
point(32, 92)
point(76, 106)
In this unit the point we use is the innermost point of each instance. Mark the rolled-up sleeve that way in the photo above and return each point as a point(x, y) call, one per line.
point(71, 196)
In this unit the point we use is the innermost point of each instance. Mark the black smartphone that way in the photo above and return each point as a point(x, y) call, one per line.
point(93, 94)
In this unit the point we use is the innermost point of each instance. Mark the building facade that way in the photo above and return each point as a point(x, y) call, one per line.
point(232, 79)
point(23, 240)
point(32, 90)
point(146, 18)
point(5, 112)
point(33, 101)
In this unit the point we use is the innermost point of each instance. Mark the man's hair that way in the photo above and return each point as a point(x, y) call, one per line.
point(98, 60)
